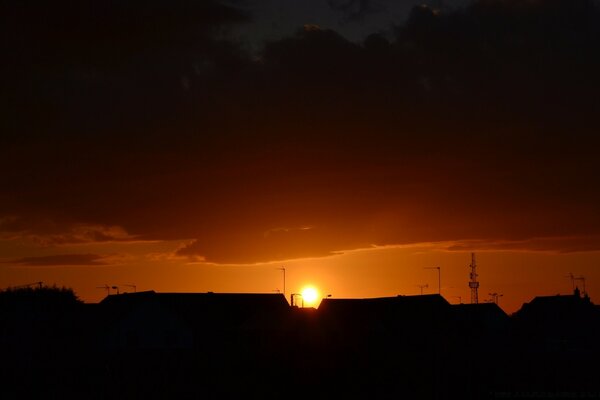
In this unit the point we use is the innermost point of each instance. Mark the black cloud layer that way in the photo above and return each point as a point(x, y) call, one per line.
point(479, 123)
point(60, 260)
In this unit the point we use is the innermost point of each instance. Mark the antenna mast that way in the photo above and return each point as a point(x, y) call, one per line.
point(473, 283)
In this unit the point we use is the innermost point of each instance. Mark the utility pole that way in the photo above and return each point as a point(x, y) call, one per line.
point(283, 269)
point(473, 283)
point(439, 270)
point(422, 287)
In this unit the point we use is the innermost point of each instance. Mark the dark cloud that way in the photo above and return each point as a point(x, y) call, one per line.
point(96, 66)
point(354, 10)
point(102, 34)
point(60, 260)
point(50, 233)
point(271, 245)
point(545, 244)
point(475, 124)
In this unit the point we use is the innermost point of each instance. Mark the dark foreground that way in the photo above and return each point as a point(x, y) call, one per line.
point(203, 346)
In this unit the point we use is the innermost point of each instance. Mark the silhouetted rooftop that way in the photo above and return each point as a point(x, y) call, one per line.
point(220, 309)
point(241, 299)
point(389, 313)
point(558, 304)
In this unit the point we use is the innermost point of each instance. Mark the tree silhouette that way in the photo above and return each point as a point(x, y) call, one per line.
point(48, 295)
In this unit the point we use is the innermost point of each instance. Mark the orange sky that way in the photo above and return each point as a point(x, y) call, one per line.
point(388, 271)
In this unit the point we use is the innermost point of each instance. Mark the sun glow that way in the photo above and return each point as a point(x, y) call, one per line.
point(310, 295)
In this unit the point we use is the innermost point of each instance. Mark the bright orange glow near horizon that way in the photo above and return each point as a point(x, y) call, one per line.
point(377, 272)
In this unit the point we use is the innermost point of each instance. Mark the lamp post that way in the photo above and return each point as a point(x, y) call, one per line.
point(439, 278)
point(283, 269)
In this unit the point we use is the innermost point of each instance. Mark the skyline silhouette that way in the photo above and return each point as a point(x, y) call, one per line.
point(219, 345)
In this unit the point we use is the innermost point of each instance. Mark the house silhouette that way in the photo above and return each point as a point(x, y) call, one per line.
point(232, 345)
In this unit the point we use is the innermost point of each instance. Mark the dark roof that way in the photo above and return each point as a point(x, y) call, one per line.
point(559, 310)
point(127, 297)
point(220, 309)
point(425, 301)
point(557, 303)
point(393, 313)
point(243, 300)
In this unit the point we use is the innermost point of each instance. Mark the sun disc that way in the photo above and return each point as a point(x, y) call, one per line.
point(310, 295)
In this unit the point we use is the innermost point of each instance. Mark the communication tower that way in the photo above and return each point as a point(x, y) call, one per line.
point(473, 283)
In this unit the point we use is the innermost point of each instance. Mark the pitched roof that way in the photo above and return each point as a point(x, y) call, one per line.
point(243, 300)
point(560, 311)
point(555, 304)
point(431, 301)
point(222, 309)
point(394, 313)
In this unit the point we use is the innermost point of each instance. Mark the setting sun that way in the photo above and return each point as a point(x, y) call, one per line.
point(310, 295)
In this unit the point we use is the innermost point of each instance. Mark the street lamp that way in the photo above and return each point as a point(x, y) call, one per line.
point(439, 278)
point(283, 269)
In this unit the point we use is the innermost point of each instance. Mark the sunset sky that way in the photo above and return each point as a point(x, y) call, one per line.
point(200, 145)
